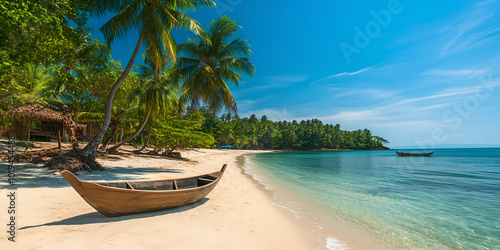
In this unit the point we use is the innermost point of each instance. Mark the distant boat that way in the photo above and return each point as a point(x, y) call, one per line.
point(129, 197)
point(414, 154)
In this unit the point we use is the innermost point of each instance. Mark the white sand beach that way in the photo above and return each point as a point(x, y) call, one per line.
point(237, 214)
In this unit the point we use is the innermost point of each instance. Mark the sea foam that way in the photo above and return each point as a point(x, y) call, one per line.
point(334, 244)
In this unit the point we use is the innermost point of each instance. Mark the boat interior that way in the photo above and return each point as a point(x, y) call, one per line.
point(178, 184)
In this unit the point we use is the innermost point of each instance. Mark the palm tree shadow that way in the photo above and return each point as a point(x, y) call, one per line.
point(97, 218)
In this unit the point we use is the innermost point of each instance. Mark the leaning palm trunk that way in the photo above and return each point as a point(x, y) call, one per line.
point(110, 136)
point(114, 148)
point(91, 148)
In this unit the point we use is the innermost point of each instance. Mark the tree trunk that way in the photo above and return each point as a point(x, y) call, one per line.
point(59, 140)
point(121, 135)
point(91, 148)
point(110, 136)
point(114, 148)
point(146, 143)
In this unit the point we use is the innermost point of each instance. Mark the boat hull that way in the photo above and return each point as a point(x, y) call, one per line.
point(113, 201)
point(414, 154)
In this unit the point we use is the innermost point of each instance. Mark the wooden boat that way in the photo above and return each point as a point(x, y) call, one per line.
point(414, 154)
point(128, 197)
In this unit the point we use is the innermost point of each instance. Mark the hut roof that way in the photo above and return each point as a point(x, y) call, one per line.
point(37, 112)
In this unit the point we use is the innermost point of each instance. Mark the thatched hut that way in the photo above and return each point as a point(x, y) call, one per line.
point(36, 120)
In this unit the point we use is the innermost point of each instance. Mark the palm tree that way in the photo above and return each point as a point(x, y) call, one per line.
point(35, 79)
point(154, 19)
point(209, 62)
point(158, 93)
point(226, 134)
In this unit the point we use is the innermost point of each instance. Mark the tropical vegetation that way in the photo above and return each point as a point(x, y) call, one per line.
point(253, 133)
point(171, 101)
point(154, 19)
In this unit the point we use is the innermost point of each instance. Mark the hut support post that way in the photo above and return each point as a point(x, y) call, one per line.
point(29, 129)
point(59, 139)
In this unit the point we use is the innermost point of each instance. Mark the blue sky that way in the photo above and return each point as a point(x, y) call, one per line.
point(414, 72)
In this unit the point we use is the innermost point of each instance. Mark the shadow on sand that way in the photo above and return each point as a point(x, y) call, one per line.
point(97, 218)
point(30, 175)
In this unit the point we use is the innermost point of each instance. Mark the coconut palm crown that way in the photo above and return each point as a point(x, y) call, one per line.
point(158, 92)
point(212, 60)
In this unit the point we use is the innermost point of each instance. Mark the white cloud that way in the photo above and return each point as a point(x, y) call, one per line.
point(415, 111)
point(347, 116)
point(464, 73)
point(271, 82)
point(359, 71)
point(287, 79)
point(451, 92)
point(343, 74)
point(248, 104)
point(371, 93)
point(470, 29)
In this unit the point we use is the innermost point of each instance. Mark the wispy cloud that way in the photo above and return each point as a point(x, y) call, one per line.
point(287, 78)
point(416, 109)
point(463, 73)
point(343, 74)
point(350, 73)
point(248, 104)
point(470, 29)
point(451, 92)
point(278, 81)
point(361, 115)
point(371, 93)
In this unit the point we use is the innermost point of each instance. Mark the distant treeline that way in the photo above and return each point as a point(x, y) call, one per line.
point(254, 133)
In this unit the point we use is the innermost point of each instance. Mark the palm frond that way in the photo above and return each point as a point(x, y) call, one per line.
point(102, 7)
point(237, 48)
point(208, 62)
point(121, 23)
point(191, 49)
point(89, 117)
point(240, 64)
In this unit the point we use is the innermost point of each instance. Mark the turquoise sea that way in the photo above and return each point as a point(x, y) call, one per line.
point(450, 200)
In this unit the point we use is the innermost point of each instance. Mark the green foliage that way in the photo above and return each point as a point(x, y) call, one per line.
point(252, 133)
point(37, 31)
point(210, 61)
point(34, 35)
point(176, 131)
point(84, 87)
point(28, 145)
point(158, 90)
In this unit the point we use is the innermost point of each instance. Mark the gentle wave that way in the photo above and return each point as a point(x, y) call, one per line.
point(251, 169)
point(334, 244)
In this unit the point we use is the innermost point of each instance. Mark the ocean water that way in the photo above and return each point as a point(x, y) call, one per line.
point(450, 200)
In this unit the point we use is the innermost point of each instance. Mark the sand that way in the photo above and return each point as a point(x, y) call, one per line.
point(237, 214)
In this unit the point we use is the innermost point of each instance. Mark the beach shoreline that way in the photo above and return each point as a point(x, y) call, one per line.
point(343, 234)
point(236, 214)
